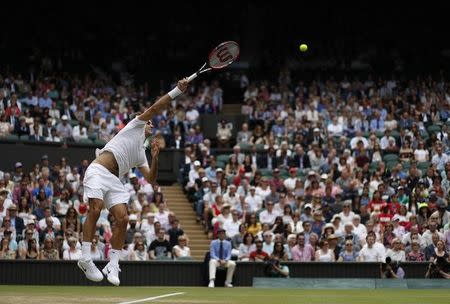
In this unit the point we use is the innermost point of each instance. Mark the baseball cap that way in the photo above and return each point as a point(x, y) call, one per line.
point(18, 165)
point(4, 190)
point(150, 214)
point(396, 217)
point(324, 176)
point(400, 188)
point(132, 175)
point(197, 163)
point(12, 207)
point(45, 156)
point(64, 117)
point(276, 170)
point(252, 188)
point(423, 205)
point(308, 206)
point(132, 217)
point(219, 170)
point(311, 173)
point(204, 179)
point(316, 130)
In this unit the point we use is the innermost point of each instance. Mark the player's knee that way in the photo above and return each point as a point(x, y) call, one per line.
point(95, 207)
point(122, 221)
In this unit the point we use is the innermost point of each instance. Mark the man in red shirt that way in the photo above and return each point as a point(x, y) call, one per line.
point(258, 255)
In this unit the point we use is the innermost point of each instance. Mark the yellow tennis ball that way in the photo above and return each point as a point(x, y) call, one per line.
point(303, 47)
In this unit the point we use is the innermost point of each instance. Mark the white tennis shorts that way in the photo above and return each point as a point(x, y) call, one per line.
point(99, 183)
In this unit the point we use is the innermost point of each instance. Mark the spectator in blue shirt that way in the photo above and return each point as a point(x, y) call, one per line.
point(48, 190)
point(45, 101)
point(220, 253)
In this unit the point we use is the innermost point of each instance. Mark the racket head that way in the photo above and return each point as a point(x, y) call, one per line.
point(223, 55)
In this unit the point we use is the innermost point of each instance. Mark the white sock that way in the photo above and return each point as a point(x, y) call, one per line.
point(114, 256)
point(86, 250)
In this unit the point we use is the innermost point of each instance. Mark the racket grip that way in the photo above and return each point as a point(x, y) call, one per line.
point(192, 77)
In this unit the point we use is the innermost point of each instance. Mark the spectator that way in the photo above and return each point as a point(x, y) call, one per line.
point(244, 135)
point(302, 252)
point(396, 253)
point(348, 254)
point(324, 254)
point(16, 222)
point(416, 254)
point(53, 137)
point(5, 252)
point(79, 132)
point(32, 251)
point(72, 253)
point(369, 252)
point(64, 129)
point(96, 253)
point(139, 253)
point(49, 252)
point(181, 251)
point(223, 134)
point(174, 233)
point(160, 248)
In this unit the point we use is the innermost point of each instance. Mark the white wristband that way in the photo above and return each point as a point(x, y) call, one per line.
point(175, 93)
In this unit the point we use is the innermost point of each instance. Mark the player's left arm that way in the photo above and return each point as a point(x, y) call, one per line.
point(150, 174)
point(164, 102)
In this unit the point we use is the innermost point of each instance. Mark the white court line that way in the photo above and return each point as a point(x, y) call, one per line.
point(154, 298)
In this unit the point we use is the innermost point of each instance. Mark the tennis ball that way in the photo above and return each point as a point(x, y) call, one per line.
point(303, 47)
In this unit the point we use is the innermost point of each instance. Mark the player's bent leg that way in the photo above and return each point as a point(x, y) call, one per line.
point(112, 269)
point(85, 263)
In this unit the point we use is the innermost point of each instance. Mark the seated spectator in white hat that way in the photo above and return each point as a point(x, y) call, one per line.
point(359, 229)
point(132, 228)
point(64, 129)
point(253, 200)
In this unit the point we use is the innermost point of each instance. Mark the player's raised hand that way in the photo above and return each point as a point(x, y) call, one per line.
point(183, 84)
point(155, 148)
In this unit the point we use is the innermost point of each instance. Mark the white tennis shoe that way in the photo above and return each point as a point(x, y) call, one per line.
point(111, 271)
point(90, 270)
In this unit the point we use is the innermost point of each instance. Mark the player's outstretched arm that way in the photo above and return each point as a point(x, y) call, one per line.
point(164, 102)
point(150, 174)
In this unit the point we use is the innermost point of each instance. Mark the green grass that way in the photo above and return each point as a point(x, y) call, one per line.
point(82, 294)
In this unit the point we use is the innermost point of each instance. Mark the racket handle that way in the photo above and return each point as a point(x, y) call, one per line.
point(192, 77)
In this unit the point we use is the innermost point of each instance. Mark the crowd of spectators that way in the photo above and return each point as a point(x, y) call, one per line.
point(349, 170)
point(65, 108)
point(42, 214)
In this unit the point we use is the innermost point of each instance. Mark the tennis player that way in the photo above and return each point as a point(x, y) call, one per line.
point(102, 186)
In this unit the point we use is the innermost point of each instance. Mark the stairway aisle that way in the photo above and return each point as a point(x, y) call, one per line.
point(179, 204)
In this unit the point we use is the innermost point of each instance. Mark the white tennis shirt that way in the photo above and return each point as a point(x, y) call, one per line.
point(128, 146)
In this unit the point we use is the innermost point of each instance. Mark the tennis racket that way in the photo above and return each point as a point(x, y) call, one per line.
point(220, 57)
